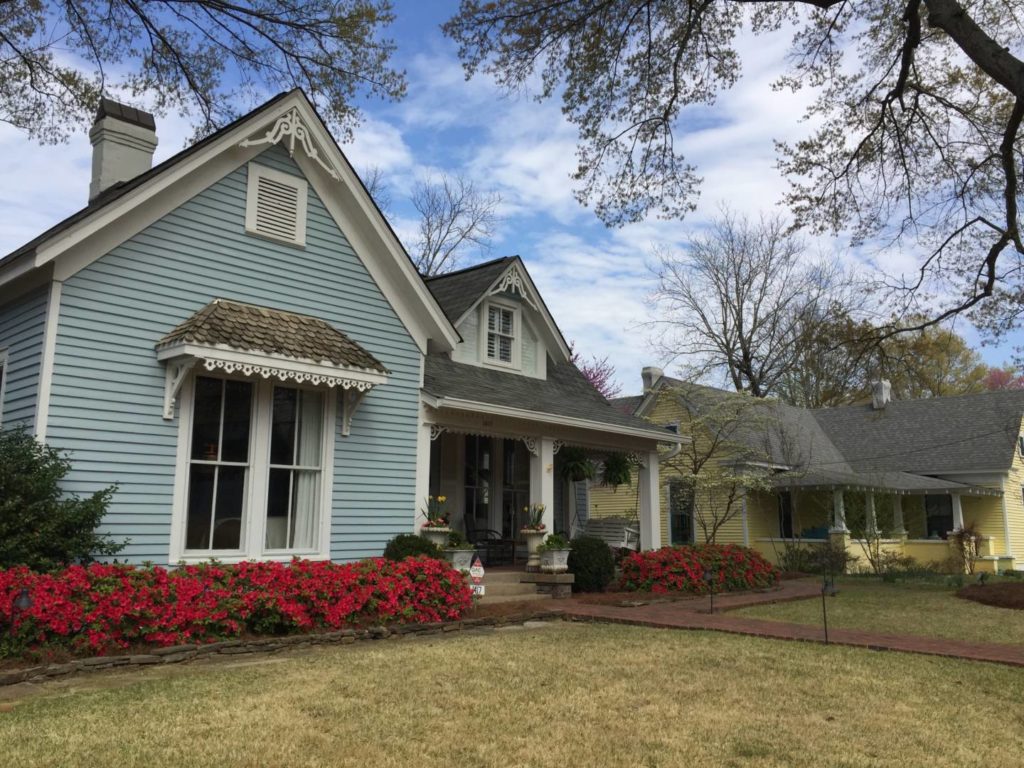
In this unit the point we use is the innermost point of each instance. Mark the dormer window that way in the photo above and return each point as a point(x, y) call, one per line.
point(502, 345)
point(1020, 445)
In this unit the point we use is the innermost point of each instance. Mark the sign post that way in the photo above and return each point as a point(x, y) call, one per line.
point(476, 576)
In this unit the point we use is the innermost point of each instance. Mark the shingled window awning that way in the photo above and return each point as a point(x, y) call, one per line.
point(233, 337)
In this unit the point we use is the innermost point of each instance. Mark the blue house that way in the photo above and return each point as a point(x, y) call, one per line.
point(237, 339)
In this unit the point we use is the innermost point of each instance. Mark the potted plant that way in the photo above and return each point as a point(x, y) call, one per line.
point(554, 554)
point(459, 551)
point(533, 531)
point(436, 527)
point(618, 470)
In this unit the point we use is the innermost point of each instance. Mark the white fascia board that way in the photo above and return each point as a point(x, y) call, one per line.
point(264, 359)
point(551, 418)
point(95, 235)
point(554, 339)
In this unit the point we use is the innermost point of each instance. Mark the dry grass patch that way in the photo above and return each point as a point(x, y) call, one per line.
point(923, 610)
point(568, 695)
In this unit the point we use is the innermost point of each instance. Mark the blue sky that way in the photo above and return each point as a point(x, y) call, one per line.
point(594, 279)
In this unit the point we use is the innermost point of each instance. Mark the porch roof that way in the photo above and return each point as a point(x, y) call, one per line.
point(565, 396)
point(903, 483)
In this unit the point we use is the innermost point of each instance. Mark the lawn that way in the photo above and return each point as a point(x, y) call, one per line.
point(909, 609)
point(568, 695)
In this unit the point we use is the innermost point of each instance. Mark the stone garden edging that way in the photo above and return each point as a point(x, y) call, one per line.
point(177, 654)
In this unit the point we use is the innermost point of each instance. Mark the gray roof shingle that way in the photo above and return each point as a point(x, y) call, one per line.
point(900, 447)
point(931, 436)
point(458, 291)
point(272, 331)
point(565, 392)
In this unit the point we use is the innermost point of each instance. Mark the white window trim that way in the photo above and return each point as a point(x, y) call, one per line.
point(517, 334)
point(253, 525)
point(1020, 445)
point(256, 172)
point(3, 381)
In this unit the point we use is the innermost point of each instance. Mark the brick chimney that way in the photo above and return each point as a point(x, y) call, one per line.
point(123, 141)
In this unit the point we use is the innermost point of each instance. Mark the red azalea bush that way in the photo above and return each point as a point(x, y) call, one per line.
point(101, 608)
point(681, 569)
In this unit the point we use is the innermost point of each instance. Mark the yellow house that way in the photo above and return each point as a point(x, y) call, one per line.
point(913, 471)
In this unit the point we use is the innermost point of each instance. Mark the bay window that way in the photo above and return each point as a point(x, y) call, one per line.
point(257, 478)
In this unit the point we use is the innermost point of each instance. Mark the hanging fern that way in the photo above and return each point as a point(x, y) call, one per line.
point(576, 465)
point(618, 470)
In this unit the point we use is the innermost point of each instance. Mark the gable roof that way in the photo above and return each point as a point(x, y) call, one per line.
point(905, 447)
point(383, 254)
point(249, 328)
point(459, 292)
point(565, 393)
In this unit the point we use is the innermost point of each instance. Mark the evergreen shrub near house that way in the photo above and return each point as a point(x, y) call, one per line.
point(410, 545)
point(102, 608)
point(681, 569)
point(41, 527)
point(591, 562)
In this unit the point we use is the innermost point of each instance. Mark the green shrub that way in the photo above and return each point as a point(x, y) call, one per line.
point(40, 526)
point(591, 562)
point(410, 545)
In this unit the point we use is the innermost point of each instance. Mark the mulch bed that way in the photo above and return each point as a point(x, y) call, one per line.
point(1001, 595)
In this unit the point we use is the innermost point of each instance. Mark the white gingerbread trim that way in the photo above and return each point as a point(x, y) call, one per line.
point(222, 358)
point(513, 282)
point(290, 126)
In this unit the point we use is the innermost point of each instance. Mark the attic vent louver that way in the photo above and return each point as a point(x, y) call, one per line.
point(276, 205)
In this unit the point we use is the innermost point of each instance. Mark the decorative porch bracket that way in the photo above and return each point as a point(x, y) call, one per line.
point(436, 430)
point(557, 447)
point(350, 400)
point(532, 444)
point(174, 376)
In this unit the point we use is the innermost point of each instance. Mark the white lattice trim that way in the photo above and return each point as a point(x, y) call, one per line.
point(290, 127)
point(285, 374)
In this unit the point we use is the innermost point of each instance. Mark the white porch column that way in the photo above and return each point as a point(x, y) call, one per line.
point(958, 513)
point(542, 479)
point(838, 513)
point(650, 503)
point(422, 473)
point(899, 529)
point(870, 518)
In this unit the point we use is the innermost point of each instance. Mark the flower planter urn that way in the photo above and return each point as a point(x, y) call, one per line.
point(533, 540)
point(436, 535)
point(554, 560)
point(461, 559)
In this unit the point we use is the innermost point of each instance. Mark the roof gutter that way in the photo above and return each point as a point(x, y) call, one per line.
point(565, 421)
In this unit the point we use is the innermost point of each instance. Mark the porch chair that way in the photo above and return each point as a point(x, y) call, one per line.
point(494, 548)
point(616, 532)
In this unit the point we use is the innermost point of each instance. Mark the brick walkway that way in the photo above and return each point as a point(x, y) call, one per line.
point(693, 614)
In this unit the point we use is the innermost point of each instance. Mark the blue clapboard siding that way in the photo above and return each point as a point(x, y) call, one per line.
point(22, 325)
point(108, 386)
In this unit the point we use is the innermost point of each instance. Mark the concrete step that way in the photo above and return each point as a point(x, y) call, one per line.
point(489, 599)
point(508, 588)
point(503, 577)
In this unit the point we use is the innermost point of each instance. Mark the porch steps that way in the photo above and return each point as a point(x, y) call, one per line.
point(507, 587)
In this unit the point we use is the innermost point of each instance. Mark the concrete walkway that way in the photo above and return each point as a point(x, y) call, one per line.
point(693, 614)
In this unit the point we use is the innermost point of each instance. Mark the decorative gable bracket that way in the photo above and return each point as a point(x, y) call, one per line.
point(514, 282)
point(290, 128)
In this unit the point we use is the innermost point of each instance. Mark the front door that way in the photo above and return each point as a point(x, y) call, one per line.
point(515, 487)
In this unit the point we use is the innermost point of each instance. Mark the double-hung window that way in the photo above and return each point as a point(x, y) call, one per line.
point(258, 456)
point(680, 510)
point(502, 335)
